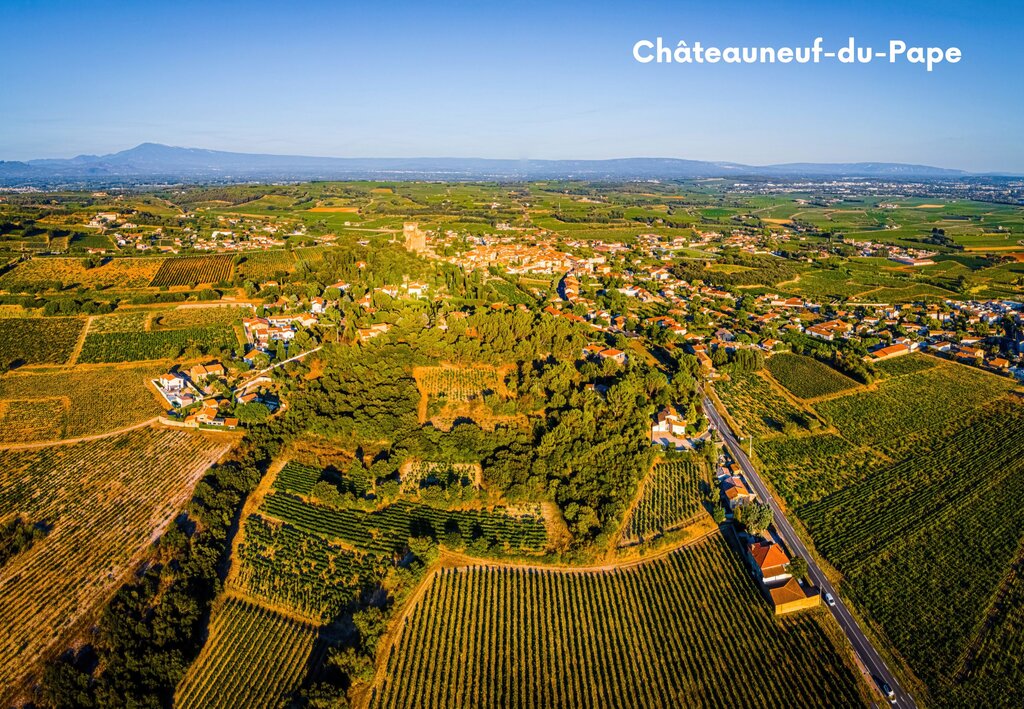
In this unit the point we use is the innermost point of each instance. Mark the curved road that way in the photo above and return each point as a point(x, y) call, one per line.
point(861, 645)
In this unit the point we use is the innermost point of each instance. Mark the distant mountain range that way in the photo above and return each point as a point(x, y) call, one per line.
point(152, 162)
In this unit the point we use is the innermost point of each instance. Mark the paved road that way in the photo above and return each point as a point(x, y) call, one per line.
point(861, 645)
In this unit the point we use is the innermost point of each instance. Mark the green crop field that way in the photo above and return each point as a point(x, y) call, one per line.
point(302, 571)
point(38, 340)
point(913, 409)
point(162, 344)
point(389, 528)
point(907, 364)
point(199, 317)
point(258, 266)
point(805, 468)
point(671, 497)
point(120, 321)
point(939, 529)
point(755, 405)
point(193, 270)
point(686, 630)
point(254, 657)
point(805, 377)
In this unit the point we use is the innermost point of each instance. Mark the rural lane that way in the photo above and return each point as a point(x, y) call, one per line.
point(861, 645)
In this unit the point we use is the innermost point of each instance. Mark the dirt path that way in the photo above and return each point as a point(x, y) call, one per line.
point(73, 359)
point(80, 439)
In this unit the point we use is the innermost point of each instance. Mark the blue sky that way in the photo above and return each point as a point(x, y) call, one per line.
point(507, 79)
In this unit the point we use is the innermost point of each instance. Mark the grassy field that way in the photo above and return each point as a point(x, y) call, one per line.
point(686, 630)
point(102, 500)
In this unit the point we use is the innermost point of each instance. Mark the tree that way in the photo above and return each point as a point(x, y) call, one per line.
point(254, 412)
point(797, 567)
point(718, 513)
point(756, 517)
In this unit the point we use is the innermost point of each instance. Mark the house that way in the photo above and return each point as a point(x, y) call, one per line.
point(201, 371)
point(172, 382)
point(770, 562)
point(736, 491)
point(317, 305)
point(889, 352)
point(999, 363)
point(613, 354)
point(790, 596)
point(668, 421)
point(829, 330)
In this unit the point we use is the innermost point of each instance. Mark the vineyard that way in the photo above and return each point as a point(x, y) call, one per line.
point(193, 270)
point(254, 657)
point(688, 630)
point(120, 321)
point(805, 377)
point(59, 273)
point(284, 565)
point(996, 667)
point(388, 529)
point(259, 266)
point(297, 477)
point(938, 528)
point(805, 468)
point(38, 340)
point(755, 405)
point(908, 364)
point(92, 400)
point(459, 384)
point(162, 344)
point(670, 499)
point(204, 317)
point(913, 409)
point(103, 500)
point(32, 419)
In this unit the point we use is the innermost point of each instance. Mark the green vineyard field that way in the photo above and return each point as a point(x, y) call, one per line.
point(937, 528)
point(38, 340)
point(688, 630)
point(671, 497)
point(388, 529)
point(162, 344)
point(254, 657)
point(805, 377)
